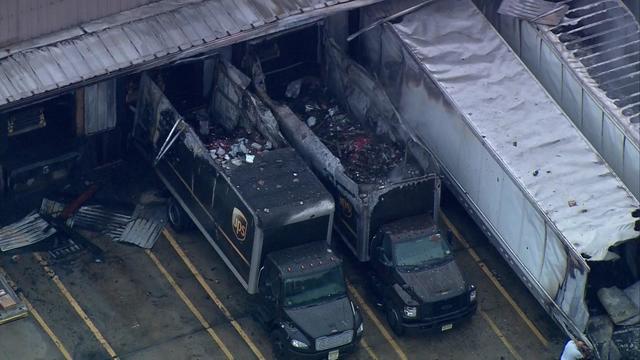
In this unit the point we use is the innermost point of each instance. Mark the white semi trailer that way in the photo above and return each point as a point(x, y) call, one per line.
point(534, 184)
point(589, 64)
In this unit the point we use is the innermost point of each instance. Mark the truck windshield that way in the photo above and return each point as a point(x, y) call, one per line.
point(313, 288)
point(421, 251)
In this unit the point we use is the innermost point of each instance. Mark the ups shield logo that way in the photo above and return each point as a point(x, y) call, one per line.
point(239, 224)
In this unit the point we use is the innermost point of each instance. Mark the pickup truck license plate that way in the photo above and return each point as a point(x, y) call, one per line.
point(447, 327)
point(333, 355)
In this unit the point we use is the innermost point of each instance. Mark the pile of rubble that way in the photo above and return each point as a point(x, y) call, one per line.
point(11, 306)
point(366, 157)
point(616, 332)
point(233, 147)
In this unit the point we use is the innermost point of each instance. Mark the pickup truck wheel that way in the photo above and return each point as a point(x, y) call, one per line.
point(177, 217)
point(278, 341)
point(394, 321)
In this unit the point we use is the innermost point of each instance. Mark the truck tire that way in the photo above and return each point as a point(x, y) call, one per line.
point(394, 321)
point(279, 344)
point(178, 219)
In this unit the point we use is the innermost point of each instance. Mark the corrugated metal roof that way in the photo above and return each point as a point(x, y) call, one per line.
point(150, 36)
point(600, 39)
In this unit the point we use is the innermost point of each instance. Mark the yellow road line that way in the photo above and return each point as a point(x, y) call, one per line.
point(189, 304)
point(500, 335)
point(377, 323)
point(211, 294)
point(46, 328)
point(366, 346)
point(76, 306)
point(495, 281)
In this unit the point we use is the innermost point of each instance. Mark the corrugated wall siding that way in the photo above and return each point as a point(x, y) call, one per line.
point(24, 19)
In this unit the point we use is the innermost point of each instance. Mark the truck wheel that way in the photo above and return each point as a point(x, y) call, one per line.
point(394, 321)
point(278, 341)
point(177, 217)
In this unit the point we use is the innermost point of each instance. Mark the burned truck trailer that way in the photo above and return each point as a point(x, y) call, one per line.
point(245, 209)
point(386, 184)
point(345, 127)
point(541, 193)
point(263, 210)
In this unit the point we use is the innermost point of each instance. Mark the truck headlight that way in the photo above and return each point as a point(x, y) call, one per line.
point(360, 329)
point(299, 344)
point(410, 311)
point(472, 295)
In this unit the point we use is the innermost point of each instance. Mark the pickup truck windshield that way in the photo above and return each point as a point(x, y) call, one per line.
point(313, 288)
point(421, 251)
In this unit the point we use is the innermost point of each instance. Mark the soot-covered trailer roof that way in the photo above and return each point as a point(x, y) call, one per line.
point(281, 188)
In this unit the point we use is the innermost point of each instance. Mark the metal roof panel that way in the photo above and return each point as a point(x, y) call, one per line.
point(137, 36)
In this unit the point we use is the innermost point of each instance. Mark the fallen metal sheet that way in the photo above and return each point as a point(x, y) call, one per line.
point(97, 218)
point(145, 228)
point(28, 231)
point(537, 11)
point(618, 305)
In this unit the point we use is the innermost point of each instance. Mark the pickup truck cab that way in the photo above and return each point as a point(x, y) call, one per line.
point(304, 304)
point(417, 279)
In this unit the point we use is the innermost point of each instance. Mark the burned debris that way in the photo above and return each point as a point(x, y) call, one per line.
point(234, 147)
point(11, 306)
point(234, 125)
point(367, 157)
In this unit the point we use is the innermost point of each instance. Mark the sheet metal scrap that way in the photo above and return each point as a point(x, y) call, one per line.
point(99, 219)
point(28, 231)
point(145, 228)
point(366, 157)
point(141, 228)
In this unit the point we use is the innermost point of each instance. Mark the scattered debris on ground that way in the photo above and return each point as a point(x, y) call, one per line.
point(11, 306)
point(616, 333)
point(366, 157)
point(59, 223)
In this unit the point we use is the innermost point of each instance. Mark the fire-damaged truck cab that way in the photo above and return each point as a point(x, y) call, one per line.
point(258, 204)
point(305, 297)
point(385, 184)
point(428, 290)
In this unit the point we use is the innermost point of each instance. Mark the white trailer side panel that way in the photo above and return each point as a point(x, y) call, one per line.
point(530, 177)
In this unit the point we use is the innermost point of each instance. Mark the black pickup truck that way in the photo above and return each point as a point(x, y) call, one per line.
point(260, 207)
point(385, 183)
point(416, 277)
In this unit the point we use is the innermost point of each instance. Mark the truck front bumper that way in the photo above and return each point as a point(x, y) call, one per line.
point(443, 322)
point(317, 355)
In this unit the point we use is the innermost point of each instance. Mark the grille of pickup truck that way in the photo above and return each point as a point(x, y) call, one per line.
point(446, 306)
point(334, 341)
